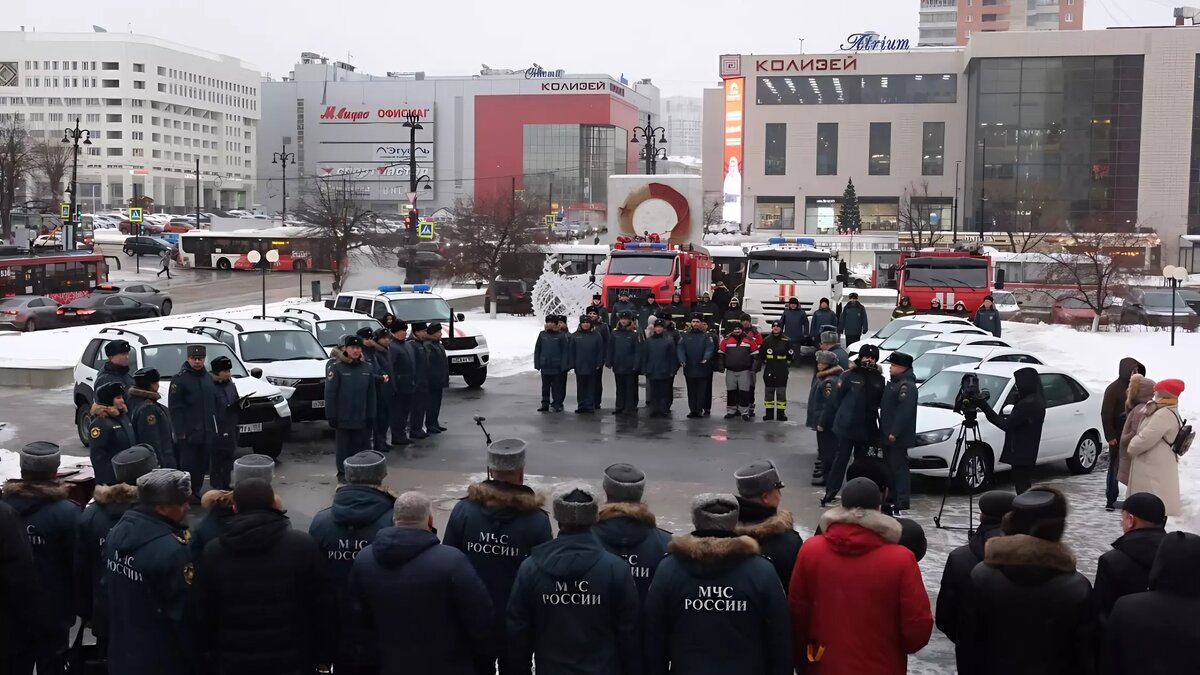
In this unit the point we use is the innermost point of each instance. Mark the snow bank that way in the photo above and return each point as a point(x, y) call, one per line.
point(510, 341)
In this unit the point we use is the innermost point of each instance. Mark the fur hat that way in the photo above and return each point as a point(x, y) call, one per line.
point(117, 347)
point(197, 351)
point(507, 454)
point(145, 377)
point(365, 333)
point(993, 505)
point(222, 364)
point(252, 466)
point(624, 483)
point(757, 478)
point(869, 351)
point(398, 325)
point(433, 327)
point(366, 468)
point(1039, 512)
point(827, 358)
point(829, 337)
point(576, 505)
point(901, 359)
point(40, 457)
point(164, 486)
point(714, 512)
point(108, 392)
point(132, 463)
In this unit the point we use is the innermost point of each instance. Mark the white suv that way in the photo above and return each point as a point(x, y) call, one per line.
point(327, 325)
point(289, 356)
point(263, 422)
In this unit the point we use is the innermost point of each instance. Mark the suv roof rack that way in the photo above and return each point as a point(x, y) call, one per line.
point(297, 310)
point(124, 331)
point(217, 319)
point(264, 317)
point(182, 328)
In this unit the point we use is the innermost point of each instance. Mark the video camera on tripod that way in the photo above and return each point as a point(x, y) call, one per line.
point(968, 402)
point(970, 399)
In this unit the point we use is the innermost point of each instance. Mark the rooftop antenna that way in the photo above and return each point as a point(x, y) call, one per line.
point(801, 45)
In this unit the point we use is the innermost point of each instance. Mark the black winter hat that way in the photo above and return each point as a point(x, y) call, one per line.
point(912, 537)
point(222, 364)
point(365, 333)
point(351, 341)
point(793, 301)
point(901, 359)
point(625, 315)
point(1039, 512)
point(117, 347)
point(399, 325)
point(869, 351)
point(107, 393)
point(585, 319)
point(383, 334)
point(197, 351)
point(433, 327)
point(1146, 506)
point(145, 377)
point(993, 505)
point(861, 493)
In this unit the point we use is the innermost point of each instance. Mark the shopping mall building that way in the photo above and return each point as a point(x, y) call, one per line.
point(1043, 131)
point(545, 132)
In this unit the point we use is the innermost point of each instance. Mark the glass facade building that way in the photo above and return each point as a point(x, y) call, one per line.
point(571, 163)
point(1055, 142)
point(857, 89)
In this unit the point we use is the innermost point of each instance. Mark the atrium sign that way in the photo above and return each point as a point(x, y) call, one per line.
point(873, 42)
point(538, 73)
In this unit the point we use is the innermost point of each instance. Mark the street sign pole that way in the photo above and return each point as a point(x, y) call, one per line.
point(135, 218)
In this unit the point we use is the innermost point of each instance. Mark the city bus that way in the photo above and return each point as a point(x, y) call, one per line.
point(63, 276)
point(300, 249)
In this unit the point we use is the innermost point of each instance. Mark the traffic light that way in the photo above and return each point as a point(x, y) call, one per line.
point(412, 220)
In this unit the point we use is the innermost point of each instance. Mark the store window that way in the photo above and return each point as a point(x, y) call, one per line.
point(775, 213)
point(827, 149)
point(877, 213)
point(880, 151)
point(933, 149)
point(776, 150)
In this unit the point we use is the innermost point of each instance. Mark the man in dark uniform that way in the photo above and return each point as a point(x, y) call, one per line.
point(707, 309)
point(898, 426)
point(551, 355)
point(110, 502)
point(116, 368)
point(587, 360)
point(193, 406)
point(623, 305)
point(225, 445)
point(49, 518)
point(148, 574)
point(350, 400)
point(218, 502)
point(416, 415)
point(853, 415)
point(626, 526)
point(625, 359)
point(715, 363)
point(497, 525)
point(720, 297)
point(376, 349)
point(760, 492)
point(696, 351)
point(660, 362)
point(400, 353)
point(439, 377)
point(110, 430)
point(853, 320)
point(150, 419)
point(601, 313)
point(600, 327)
point(775, 355)
point(647, 311)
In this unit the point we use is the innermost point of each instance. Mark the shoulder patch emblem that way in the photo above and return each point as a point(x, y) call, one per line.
point(189, 573)
point(174, 387)
point(331, 374)
point(95, 432)
point(151, 419)
point(903, 391)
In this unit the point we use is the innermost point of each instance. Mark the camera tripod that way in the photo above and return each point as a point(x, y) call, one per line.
point(973, 425)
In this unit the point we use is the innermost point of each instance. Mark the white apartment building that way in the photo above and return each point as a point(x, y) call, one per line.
point(151, 107)
point(683, 118)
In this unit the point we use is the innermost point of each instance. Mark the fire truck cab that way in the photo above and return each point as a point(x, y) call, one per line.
point(656, 269)
point(789, 267)
point(959, 274)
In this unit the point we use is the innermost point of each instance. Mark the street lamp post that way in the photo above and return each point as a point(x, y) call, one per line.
point(1174, 275)
point(74, 137)
point(954, 214)
point(983, 190)
point(650, 152)
point(412, 221)
point(263, 261)
point(282, 158)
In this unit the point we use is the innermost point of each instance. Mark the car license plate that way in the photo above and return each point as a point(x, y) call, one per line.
point(249, 428)
point(463, 359)
point(318, 404)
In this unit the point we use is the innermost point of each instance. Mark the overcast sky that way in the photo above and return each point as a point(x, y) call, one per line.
point(674, 42)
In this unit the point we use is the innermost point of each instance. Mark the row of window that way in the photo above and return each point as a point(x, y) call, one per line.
point(218, 85)
point(879, 153)
point(886, 214)
point(77, 65)
point(857, 89)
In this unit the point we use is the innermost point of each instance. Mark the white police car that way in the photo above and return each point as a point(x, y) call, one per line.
point(264, 420)
point(466, 347)
point(327, 325)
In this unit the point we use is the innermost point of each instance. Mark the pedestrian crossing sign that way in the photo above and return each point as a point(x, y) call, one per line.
point(425, 230)
point(65, 210)
point(135, 216)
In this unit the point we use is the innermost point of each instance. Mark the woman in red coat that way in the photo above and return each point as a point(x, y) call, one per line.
point(857, 601)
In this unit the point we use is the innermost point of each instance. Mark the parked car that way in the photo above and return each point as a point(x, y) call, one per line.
point(143, 293)
point(178, 227)
point(327, 325)
point(1006, 304)
point(29, 312)
point(1075, 312)
point(148, 227)
point(935, 361)
point(513, 296)
point(47, 241)
point(1153, 308)
point(891, 327)
point(900, 340)
point(1192, 298)
point(147, 246)
point(927, 343)
point(97, 308)
point(1069, 433)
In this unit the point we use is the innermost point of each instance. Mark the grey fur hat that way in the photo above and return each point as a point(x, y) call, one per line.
point(132, 463)
point(40, 457)
point(624, 483)
point(757, 478)
point(829, 337)
point(827, 358)
point(714, 512)
point(576, 505)
point(165, 486)
point(252, 466)
point(366, 468)
point(507, 454)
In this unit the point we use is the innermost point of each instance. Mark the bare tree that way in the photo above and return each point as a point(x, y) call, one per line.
point(712, 215)
point(490, 233)
point(14, 167)
point(51, 158)
point(916, 207)
point(1087, 273)
point(336, 214)
point(1023, 215)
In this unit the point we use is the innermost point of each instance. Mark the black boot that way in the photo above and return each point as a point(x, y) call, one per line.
point(782, 416)
point(769, 415)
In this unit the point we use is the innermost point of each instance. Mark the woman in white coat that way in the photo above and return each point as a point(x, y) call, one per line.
point(1155, 466)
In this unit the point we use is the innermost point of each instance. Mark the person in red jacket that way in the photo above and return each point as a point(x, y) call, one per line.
point(857, 601)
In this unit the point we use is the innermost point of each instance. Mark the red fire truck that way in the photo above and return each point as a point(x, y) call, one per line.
point(961, 274)
point(659, 269)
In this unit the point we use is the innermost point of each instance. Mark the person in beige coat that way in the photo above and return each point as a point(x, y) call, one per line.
point(1138, 399)
point(1155, 467)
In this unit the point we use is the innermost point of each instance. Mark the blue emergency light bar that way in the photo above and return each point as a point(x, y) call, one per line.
point(793, 240)
point(633, 246)
point(412, 288)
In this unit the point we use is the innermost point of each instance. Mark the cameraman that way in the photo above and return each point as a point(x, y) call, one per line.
point(1022, 427)
point(853, 415)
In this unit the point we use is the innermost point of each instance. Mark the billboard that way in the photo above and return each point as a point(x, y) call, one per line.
point(735, 107)
point(669, 205)
point(369, 146)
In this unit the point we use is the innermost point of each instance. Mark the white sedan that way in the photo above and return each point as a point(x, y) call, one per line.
point(901, 338)
point(1070, 432)
point(936, 360)
point(905, 322)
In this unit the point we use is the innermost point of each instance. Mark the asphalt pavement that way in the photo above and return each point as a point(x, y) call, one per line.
point(206, 290)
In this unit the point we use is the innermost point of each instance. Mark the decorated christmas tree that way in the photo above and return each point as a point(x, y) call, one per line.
point(849, 219)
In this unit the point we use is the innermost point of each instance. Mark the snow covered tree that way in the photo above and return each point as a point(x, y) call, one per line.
point(849, 219)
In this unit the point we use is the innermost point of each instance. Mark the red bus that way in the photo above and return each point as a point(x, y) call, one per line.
point(949, 275)
point(62, 275)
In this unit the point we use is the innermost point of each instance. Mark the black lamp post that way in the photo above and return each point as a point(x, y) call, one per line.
point(983, 199)
point(282, 158)
point(74, 137)
point(650, 152)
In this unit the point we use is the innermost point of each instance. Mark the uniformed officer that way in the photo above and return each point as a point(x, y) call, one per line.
point(696, 351)
point(218, 502)
point(148, 574)
point(109, 504)
point(587, 360)
point(760, 493)
point(400, 352)
point(776, 353)
point(621, 306)
point(110, 430)
point(227, 406)
point(49, 518)
point(116, 368)
point(898, 425)
point(600, 326)
point(598, 305)
point(627, 527)
point(551, 358)
point(416, 415)
point(625, 359)
point(439, 377)
point(150, 419)
point(193, 407)
point(377, 348)
point(350, 400)
point(853, 414)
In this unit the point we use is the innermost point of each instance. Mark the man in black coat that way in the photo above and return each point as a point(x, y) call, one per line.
point(116, 368)
point(574, 609)
point(853, 415)
point(696, 351)
point(400, 353)
point(598, 306)
point(626, 527)
point(953, 596)
point(110, 502)
point(193, 406)
point(706, 308)
point(587, 360)
point(775, 356)
point(853, 321)
point(552, 358)
point(760, 492)
point(377, 350)
point(227, 407)
point(150, 419)
point(350, 400)
point(439, 377)
point(720, 297)
point(622, 305)
point(420, 605)
point(498, 524)
point(1150, 633)
point(647, 311)
point(660, 361)
point(1126, 568)
point(261, 599)
point(1022, 427)
point(149, 573)
point(715, 605)
point(625, 360)
point(600, 326)
point(49, 519)
point(110, 430)
point(898, 426)
point(416, 416)
point(218, 502)
point(1029, 610)
point(23, 612)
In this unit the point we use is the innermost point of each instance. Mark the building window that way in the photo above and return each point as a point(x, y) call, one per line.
point(827, 148)
point(880, 159)
point(139, 67)
point(933, 149)
point(113, 135)
point(113, 152)
point(775, 213)
point(854, 90)
point(110, 65)
point(878, 213)
point(1068, 18)
point(776, 150)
